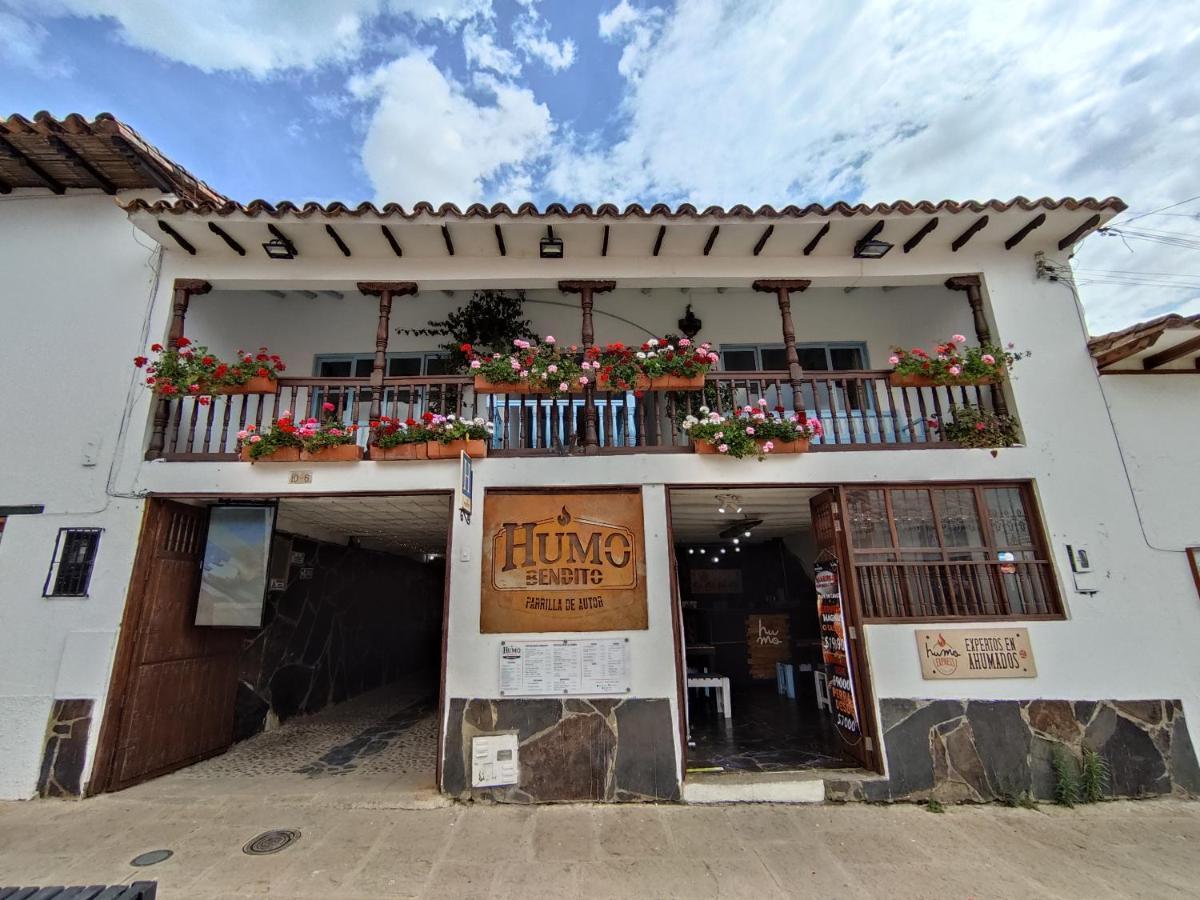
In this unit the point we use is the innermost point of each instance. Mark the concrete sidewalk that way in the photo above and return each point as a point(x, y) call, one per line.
point(1145, 849)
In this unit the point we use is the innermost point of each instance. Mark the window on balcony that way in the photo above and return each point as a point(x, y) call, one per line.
point(961, 552)
point(399, 365)
point(829, 357)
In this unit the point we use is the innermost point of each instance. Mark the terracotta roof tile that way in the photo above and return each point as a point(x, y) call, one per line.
point(286, 208)
point(1154, 328)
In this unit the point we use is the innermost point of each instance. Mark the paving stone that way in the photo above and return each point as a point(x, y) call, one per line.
point(632, 832)
point(566, 833)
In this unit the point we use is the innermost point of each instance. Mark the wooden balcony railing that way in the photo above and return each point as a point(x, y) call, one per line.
point(858, 410)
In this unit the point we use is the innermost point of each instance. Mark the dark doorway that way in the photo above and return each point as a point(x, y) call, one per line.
point(745, 564)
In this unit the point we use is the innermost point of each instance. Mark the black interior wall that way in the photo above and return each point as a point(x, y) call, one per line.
point(774, 580)
point(350, 620)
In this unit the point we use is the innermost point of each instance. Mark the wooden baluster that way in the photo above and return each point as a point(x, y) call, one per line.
point(890, 394)
point(228, 402)
point(191, 435)
point(210, 415)
point(641, 421)
point(818, 412)
point(847, 386)
point(937, 406)
point(833, 409)
point(184, 289)
point(612, 420)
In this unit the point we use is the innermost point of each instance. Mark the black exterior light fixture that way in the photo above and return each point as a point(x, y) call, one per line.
point(689, 325)
point(550, 247)
point(870, 247)
point(279, 247)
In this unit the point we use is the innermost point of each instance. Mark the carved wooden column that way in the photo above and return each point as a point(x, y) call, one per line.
point(184, 290)
point(970, 284)
point(782, 289)
point(587, 337)
point(385, 291)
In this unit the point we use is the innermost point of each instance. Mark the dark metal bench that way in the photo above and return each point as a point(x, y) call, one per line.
point(139, 890)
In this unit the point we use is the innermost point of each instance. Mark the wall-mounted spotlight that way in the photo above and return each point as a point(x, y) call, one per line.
point(551, 247)
point(872, 249)
point(691, 550)
point(276, 248)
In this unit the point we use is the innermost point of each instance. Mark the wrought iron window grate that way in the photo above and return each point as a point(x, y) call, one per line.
point(71, 568)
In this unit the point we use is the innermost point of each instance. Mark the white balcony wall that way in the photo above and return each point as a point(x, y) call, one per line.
point(298, 327)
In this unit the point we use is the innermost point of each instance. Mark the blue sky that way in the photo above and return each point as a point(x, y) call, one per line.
point(707, 101)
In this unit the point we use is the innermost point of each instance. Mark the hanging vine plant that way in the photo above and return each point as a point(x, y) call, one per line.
point(489, 322)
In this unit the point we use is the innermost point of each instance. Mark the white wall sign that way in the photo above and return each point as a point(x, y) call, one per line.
point(532, 668)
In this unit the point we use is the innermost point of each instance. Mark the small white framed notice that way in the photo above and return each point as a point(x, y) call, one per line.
point(545, 668)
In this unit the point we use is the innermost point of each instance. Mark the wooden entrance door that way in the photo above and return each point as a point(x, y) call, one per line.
point(841, 632)
point(174, 685)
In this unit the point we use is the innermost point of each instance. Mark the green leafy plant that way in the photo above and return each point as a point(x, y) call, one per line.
point(489, 322)
point(620, 366)
point(934, 806)
point(752, 431)
point(952, 362)
point(1094, 776)
point(309, 434)
point(541, 364)
point(387, 432)
point(972, 426)
point(191, 370)
point(1066, 777)
point(445, 429)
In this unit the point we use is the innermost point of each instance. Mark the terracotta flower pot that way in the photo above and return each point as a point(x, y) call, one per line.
point(640, 383)
point(336, 453)
point(800, 445)
point(476, 448)
point(283, 454)
point(483, 386)
point(902, 380)
point(256, 384)
point(677, 383)
point(401, 451)
point(704, 448)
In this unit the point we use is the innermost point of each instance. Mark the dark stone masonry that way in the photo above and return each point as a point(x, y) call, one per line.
point(349, 621)
point(65, 749)
point(570, 750)
point(983, 750)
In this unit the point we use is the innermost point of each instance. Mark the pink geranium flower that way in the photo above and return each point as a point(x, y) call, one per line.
point(989, 359)
point(722, 448)
point(959, 339)
point(328, 407)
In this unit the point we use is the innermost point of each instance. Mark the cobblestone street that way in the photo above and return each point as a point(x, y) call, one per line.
point(353, 845)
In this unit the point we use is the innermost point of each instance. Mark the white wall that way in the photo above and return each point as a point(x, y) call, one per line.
point(76, 288)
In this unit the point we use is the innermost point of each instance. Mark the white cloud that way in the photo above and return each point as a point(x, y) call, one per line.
point(777, 102)
point(482, 52)
point(259, 37)
point(429, 140)
point(531, 35)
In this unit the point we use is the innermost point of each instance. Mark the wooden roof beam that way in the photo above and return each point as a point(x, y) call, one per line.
point(658, 241)
point(179, 238)
point(500, 241)
point(391, 239)
point(1036, 222)
point(712, 239)
point(337, 239)
point(920, 234)
point(446, 238)
point(223, 235)
point(1171, 354)
point(604, 245)
point(1124, 351)
point(976, 226)
point(45, 177)
point(1079, 232)
point(276, 233)
point(812, 245)
point(80, 162)
point(762, 241)
point(139, 162)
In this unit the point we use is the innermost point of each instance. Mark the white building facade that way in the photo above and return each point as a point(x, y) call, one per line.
point(94, 697)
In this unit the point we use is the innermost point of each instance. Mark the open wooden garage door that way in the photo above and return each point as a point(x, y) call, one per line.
point(172, 697)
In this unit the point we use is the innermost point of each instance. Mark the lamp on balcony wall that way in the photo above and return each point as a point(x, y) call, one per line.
point(872, 248)
point(689, 324)
point(277, 248)
point(551, 247)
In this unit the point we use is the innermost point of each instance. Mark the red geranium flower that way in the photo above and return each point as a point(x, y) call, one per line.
point(151, 380)
point(207, 361)
point(427, 416)
point(465, 348)
point(156, 348)
point(139, 361)
point(183, 342)
point(410, 421)
point(261, 373)
point(204, 401)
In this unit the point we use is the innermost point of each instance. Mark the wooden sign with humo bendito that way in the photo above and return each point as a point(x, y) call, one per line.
point(572, 561)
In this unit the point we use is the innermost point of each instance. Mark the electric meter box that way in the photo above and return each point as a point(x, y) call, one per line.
point(494, 760)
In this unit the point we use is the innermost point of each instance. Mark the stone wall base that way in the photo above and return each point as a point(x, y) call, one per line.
point(570, 750)
point(984, 750)
point(65, 749)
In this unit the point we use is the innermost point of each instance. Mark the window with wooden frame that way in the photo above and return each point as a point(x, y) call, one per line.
point(71, 568)
point(971, 551)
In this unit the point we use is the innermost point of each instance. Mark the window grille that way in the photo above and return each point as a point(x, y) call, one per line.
point(71, 568)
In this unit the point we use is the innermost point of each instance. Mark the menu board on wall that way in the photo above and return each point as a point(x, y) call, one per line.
point(834, 649)
point(768, 641)
point(563, 562)
point(536, 668)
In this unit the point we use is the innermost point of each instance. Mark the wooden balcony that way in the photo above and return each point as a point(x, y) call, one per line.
point(859, 411)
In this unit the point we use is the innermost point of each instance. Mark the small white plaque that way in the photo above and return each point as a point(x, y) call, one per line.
point(300, 476)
